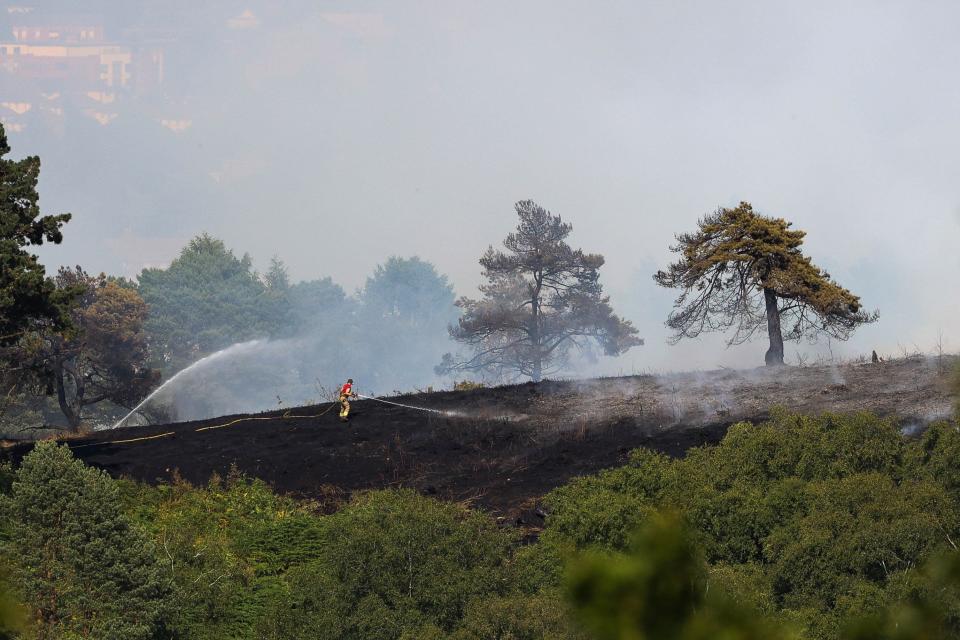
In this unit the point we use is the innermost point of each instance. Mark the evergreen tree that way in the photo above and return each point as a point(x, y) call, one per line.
point(276, 300)
point(277, 279)
point(742, 269)
point(103, 356)
point(84, 569)
point(542, 298)
point(319, 305)
point(27, 296)
point(405, 309)
point(206, 300)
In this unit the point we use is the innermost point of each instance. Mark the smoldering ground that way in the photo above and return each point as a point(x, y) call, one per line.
point(566, 429)
point(916, 388)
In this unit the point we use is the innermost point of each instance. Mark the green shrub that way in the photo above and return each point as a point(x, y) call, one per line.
point(828, 513)
point(79, 562)
point(226, 547)
point(935, 456)
point(854, 532)
point(518, 617)
point(394, 562)
point(420, 557)
point(658, 590)
point(540, 566)
point(805, 447)
point(606, 509)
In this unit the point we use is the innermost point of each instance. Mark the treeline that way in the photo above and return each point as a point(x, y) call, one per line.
point(814, 528)
point(90, 347)
point(87, 340)
point(123, 337)
point(389, 334)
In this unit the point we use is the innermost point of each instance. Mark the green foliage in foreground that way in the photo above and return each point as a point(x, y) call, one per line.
point(660, 590)
point(85, 570)
point(11, 612)
point(830, 527)
point(817, 521)
point(390, 564)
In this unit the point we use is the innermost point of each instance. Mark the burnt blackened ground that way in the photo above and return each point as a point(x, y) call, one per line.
point(502, 448)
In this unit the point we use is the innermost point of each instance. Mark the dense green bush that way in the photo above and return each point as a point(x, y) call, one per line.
point(85, 570)
point(659, 590)
point(816, 520)
point(394, 561)
point(935, 457)
point(226, 547)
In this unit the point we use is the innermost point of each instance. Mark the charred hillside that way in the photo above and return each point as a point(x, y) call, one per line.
point(501, 448)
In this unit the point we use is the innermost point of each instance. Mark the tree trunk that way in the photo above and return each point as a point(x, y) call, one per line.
point(73, 417)
point(537, 375)
point(535, 337)
point(774, 355)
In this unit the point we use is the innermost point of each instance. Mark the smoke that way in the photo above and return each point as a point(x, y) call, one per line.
point(905, 387)
point(274, 374)
point(294, 344)
point(339, 135)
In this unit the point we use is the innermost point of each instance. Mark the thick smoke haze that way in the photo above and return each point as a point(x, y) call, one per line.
point(337, 134)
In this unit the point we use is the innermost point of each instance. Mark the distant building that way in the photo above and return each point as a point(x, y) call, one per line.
point(61, 30)
point(66, 61)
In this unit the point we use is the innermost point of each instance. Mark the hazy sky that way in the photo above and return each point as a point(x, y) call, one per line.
point(357, 130)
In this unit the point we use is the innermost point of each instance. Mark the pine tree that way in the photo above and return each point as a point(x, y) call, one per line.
point(542, 298)
point(27, 296)
point(207, 299)
point(742, 269)
point(84, 569)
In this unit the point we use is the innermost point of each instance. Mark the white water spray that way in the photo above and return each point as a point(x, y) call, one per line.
point(231, 350)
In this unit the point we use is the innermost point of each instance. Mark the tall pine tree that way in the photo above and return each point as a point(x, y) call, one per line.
point(743, 270)
point(83, 567)
point(27, 295)
point(542, 299)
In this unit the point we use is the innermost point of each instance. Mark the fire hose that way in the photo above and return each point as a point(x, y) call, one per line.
point(400, 404)
point(285, 416)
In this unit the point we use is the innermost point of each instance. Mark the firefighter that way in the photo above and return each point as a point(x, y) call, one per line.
point(346, 392)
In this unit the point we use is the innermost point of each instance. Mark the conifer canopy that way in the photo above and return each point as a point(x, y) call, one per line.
point(542, 298)
point(742, 270)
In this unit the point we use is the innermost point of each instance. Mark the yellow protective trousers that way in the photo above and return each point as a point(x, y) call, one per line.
point(344, 407)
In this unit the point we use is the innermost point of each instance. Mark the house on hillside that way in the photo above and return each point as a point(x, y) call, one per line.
point(54, 63)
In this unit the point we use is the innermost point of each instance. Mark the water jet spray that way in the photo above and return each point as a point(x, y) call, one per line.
point(234, 348)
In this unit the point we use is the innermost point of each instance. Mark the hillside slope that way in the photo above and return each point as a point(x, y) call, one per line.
point(501, 448)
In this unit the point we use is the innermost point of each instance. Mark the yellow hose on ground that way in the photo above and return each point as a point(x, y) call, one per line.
point(285, 416)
